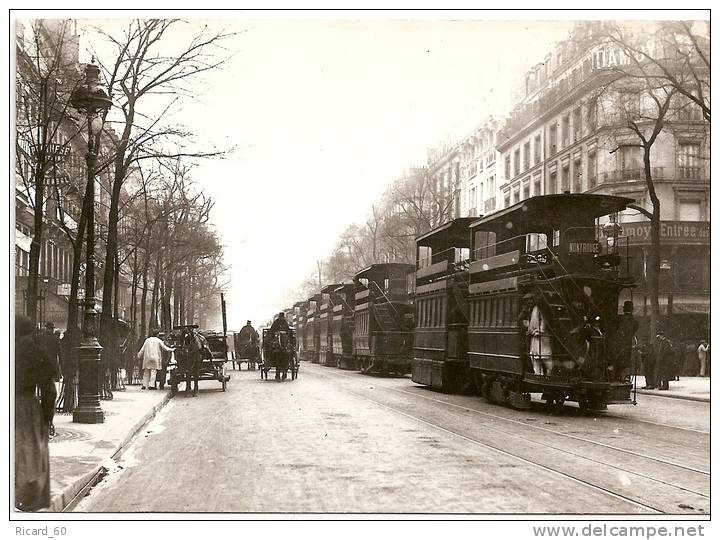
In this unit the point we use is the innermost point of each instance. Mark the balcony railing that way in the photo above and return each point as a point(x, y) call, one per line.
point(658, 173)
point(689, 173)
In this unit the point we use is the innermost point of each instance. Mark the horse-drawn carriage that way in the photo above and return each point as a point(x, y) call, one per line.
point(195, 361)
point(247, 351)
point(279, 351)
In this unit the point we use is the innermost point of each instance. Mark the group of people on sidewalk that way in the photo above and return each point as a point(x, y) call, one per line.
point(663, 361)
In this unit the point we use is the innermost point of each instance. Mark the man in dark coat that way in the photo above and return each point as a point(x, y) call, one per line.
point(663, 353)
point(50, 343)
point(280, 324)
point(33, 418)
point(624, 337)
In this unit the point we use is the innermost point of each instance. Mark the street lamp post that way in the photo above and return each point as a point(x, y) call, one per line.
point(93, 101)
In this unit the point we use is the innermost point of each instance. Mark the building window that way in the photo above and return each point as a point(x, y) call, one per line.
point(631, 161)
point(538, 153)
point(516, 162)
point(690, 210)
point(577, 179)
point(516, 195)
point(537, 187)
point(553, 140)
point(592, 114)
point(552, 183)
point(526, 190)
point(566, 130)
point(577, 124)
point(689, 161)
point(507, 167)
point(507, 199)
point(592, 170)
point(526, 156)
point(565, 178)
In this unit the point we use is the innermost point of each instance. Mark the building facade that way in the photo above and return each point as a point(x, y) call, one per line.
point(566, 136)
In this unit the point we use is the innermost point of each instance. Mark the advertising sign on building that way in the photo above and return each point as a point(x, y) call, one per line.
point(671, 232)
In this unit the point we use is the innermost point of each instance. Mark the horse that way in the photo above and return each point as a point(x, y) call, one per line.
point(280, 354)
point(189, 358)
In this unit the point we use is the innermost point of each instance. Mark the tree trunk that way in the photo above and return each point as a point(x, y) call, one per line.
point(653, 268)
point(34, 270)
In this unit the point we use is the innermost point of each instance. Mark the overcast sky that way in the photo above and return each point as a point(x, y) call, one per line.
point(324, 115)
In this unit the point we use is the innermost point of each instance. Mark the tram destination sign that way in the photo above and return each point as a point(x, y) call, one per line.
point(671, 232)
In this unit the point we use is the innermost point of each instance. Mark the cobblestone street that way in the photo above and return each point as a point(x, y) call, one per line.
point(336, 441)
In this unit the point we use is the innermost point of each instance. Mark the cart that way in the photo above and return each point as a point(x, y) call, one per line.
point(212, 366)
point(279, 353)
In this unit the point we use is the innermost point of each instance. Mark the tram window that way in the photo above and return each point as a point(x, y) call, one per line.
point(484, 244)
point(462, 254)
point(488, 312)
point(386, 285)
point(535, 242)
point(511, 311)
point(442, 312)
point(556, 237)
point(424, 256)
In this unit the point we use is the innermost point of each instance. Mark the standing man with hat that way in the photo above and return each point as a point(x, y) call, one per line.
point(662, 351)
point(625, 336)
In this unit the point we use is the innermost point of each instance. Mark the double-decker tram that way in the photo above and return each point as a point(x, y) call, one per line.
point(301, 328)
point(441, 308)
point(312, 342)
point(545, 278)
point(382, 338)
point(343, 324)
point(327, 303)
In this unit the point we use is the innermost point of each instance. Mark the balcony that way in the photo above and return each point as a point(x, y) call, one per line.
point(658, 173)
point(689, 173)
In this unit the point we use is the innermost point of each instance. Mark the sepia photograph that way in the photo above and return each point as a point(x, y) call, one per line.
point(360, 264)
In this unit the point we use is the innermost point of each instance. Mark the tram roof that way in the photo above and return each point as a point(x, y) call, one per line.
point(451, 228)
point(330, 288)
point(549, 209)
point(384, 268)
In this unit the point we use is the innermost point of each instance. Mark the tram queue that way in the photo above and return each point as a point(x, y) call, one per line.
point(526, 300)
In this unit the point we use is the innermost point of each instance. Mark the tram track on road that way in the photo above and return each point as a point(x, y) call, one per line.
point(672, 469)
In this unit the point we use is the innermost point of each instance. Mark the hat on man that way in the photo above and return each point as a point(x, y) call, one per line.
point(281, 314)
point(628, 306)
point(49, 325)
point(528, 296)
point(248, 322)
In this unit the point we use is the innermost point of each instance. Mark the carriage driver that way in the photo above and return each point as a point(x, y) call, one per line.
point(280, 324)
point(247, 336)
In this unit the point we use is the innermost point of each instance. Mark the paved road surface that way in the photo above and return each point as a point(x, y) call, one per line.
point(336, 441)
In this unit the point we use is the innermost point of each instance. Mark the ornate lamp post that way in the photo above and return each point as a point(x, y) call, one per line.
point(93, 101)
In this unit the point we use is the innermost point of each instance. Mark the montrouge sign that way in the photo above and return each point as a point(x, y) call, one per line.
point(671, 232)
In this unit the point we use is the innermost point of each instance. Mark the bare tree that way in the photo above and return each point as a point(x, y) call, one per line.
point(143, 67)
point(645, 95)
point(45, 125)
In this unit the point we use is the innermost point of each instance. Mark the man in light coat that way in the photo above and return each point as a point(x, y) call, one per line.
point(540, 342)
point(151, 355)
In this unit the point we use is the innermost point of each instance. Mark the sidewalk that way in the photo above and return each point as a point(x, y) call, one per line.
point(78, 452)
point(691, 388)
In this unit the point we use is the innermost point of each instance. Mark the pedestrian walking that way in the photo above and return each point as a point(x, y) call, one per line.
point(151, 357)
point(702, 354)
point(33, 417)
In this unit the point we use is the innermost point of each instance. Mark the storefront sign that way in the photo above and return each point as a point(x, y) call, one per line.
point(671, 232)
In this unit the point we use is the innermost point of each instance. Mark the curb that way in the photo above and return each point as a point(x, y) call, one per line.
point(70, 496)
point(674, 396)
